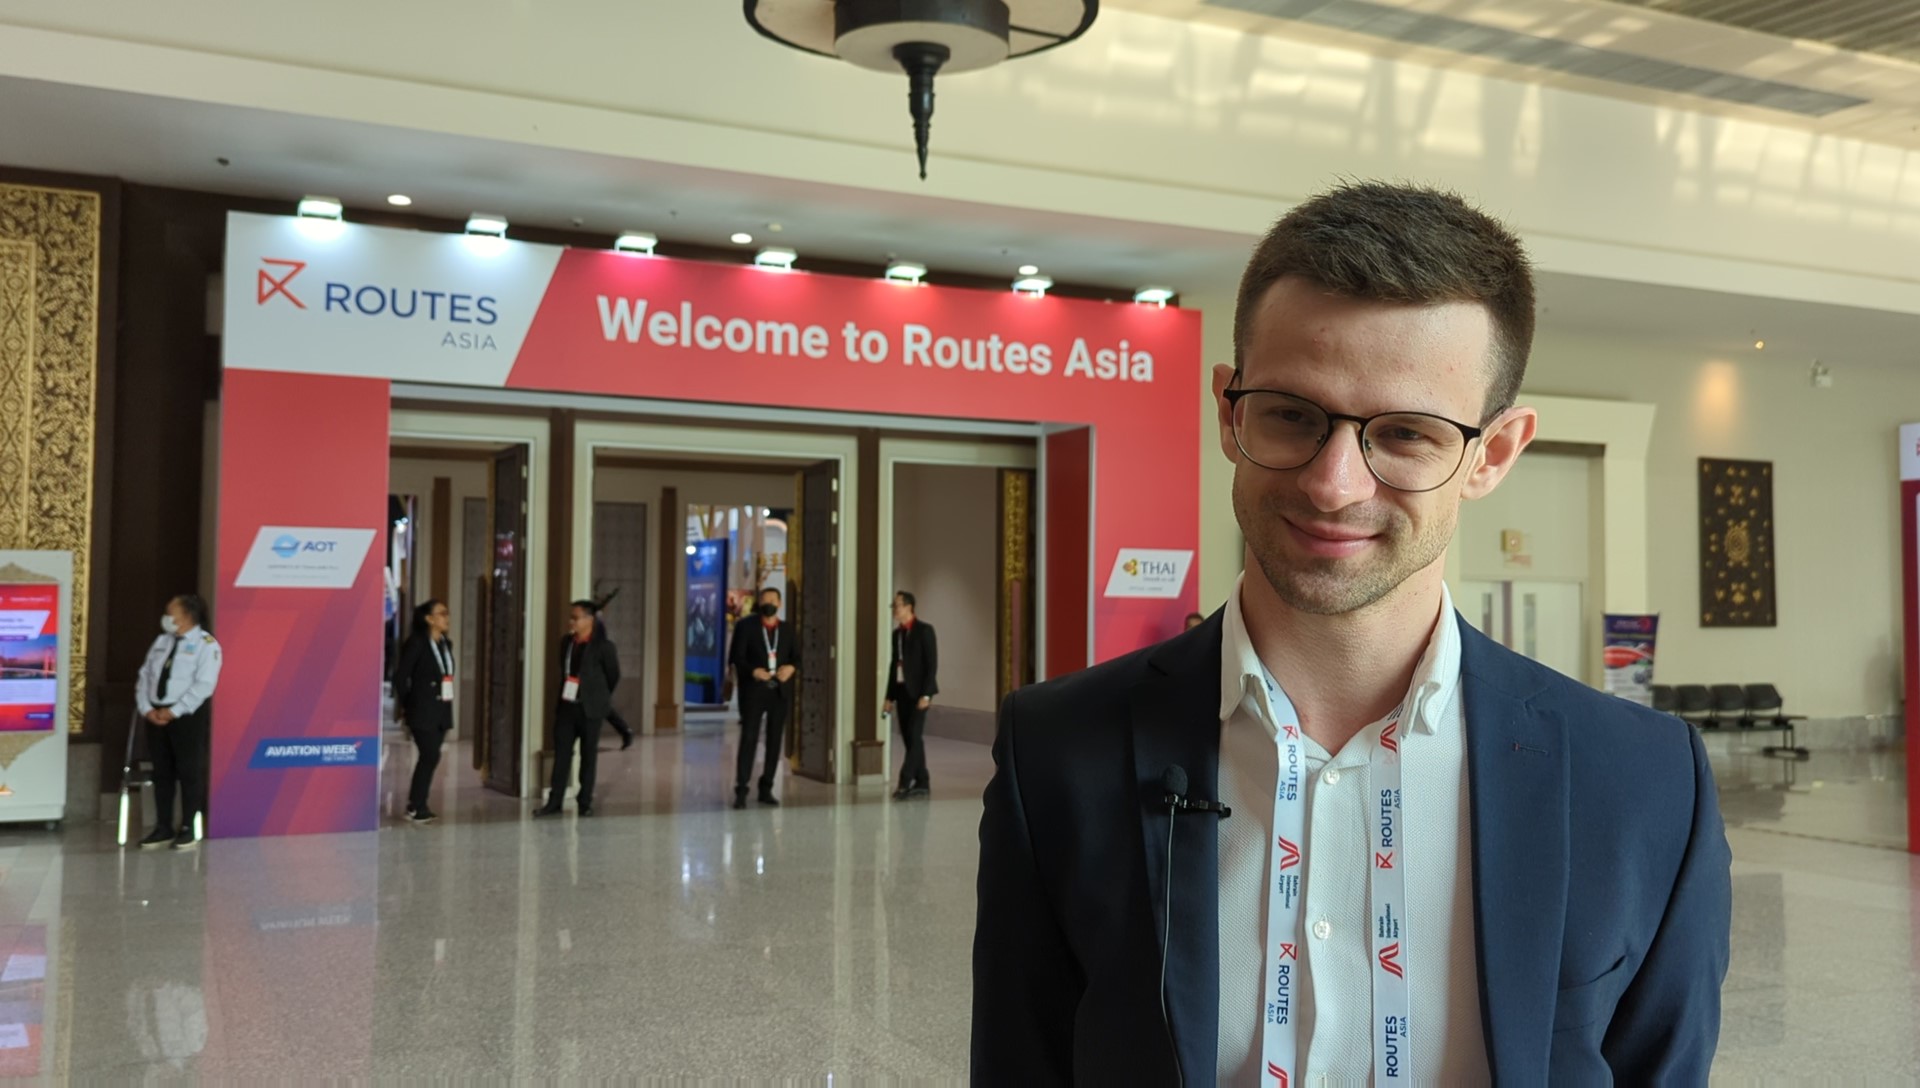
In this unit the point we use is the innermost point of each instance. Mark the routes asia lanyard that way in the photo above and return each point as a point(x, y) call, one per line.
point(1279, 1039)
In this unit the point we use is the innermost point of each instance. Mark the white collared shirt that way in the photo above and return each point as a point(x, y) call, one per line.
point(1335, 1021)
point(190, 683)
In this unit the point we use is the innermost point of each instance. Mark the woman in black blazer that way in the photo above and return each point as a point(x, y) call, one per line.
point(423, 698)
point(589, 671)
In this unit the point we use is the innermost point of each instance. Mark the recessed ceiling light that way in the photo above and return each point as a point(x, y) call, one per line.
point(906, 272)
point(400, 200)
point(487, 223)
point(635, 241)
point(1032, 285)
point(1158, 296)
point(1029, 270)
point(778, 257)
point(742, 238)
point(319, 207)
point(1759, 345)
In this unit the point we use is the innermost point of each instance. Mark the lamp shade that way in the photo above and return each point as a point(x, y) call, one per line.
point(922, 37)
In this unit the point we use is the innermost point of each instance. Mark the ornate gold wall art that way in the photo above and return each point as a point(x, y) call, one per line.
point(1736, 544)
point(1016, 595)
point(50, 246)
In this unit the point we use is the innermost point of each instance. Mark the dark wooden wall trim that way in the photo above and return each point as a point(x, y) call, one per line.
point(559, 556)
point(667, 633)
point(442, 588)
point(869, 751)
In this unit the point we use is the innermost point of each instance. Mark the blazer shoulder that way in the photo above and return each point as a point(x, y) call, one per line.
point(1100, 685)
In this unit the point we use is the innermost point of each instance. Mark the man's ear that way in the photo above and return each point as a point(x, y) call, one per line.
point(1223, 412)
point(1501, 444)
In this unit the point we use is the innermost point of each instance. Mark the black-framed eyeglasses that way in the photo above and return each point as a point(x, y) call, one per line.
point(1407, 451)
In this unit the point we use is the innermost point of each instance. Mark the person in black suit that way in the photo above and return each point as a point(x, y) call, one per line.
point(913, 679)
point(589, 671)
point(765, 657)
point(423, 698)
point(1565, 918)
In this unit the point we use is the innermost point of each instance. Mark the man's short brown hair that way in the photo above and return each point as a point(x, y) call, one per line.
point(1402, 243)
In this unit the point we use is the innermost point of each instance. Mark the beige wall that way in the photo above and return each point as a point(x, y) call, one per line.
point(748, 488)
point(1837, 536)
point(944, 521)
point(1546, 498)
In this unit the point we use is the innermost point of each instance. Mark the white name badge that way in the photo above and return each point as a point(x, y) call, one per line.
point(570, 691)
point(899, 674)
point(446, 689)
point(773, 662)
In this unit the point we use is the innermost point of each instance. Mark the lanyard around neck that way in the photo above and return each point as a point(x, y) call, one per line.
point(1287, 942)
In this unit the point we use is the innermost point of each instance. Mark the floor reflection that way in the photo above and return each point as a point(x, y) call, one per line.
point(675, 938)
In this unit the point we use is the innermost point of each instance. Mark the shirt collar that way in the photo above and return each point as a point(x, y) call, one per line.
point(1436, 680)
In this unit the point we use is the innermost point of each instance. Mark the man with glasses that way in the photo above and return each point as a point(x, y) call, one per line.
point(1333, 835)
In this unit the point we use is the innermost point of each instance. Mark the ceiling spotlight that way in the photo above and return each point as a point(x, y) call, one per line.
point(742, 238)
point(775, 257)
point(1029, 270)
point(488, 224)
point(319, 207)
point(922, 37)
point(1759, 345)
point(1157, 296)
point(636, 241)
point(906, 272)
point(1032, 285)
point(400, 200)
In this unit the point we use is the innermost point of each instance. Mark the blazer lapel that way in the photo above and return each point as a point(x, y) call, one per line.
point(1517, 774)
point(1176, 722)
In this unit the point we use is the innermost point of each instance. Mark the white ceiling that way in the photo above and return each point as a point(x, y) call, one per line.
point(279, 156)
point(1642, 28)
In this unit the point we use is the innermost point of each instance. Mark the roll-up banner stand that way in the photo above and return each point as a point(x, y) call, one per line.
point(1910, 575)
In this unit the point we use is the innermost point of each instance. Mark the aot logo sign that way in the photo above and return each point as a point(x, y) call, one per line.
point(1149, 572)
point(297, 557)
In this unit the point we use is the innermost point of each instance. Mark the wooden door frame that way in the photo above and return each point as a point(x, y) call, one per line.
point(960, 453)
point(598, 439)
point(476, 430)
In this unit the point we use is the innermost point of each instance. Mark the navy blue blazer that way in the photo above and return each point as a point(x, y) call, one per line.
point(1602, 898)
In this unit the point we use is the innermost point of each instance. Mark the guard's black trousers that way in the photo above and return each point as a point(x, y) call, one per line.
point(179, 754)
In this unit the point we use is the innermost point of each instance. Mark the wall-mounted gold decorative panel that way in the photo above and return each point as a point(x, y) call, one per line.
point(50, 248)
point(1736, 543)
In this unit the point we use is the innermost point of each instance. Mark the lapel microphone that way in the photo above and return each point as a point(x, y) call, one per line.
point(1173, 783)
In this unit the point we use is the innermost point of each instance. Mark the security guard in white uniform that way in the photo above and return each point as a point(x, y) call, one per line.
point(176, 683)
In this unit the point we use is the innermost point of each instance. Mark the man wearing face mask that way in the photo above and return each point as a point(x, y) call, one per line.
point(765, 657)
point(176, 683)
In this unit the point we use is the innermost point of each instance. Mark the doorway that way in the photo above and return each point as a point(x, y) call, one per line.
point(475, 534)
point(719, 524)
point(1532, 560)
point(961, 533)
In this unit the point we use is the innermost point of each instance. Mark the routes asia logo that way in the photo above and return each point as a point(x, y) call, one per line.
point(274, 284)
point(289, 752)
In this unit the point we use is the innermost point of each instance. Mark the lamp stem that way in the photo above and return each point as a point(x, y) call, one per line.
point(922, 60)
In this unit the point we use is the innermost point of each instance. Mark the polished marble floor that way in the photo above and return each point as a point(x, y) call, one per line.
point(671, 938)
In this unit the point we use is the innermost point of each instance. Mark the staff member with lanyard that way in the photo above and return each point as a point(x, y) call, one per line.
point(423, 698)
point(176, 683)
point(589, 671)
point(913, 679)
point(765, 657)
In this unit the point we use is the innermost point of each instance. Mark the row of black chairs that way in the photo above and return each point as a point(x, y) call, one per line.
point(1718, 706)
